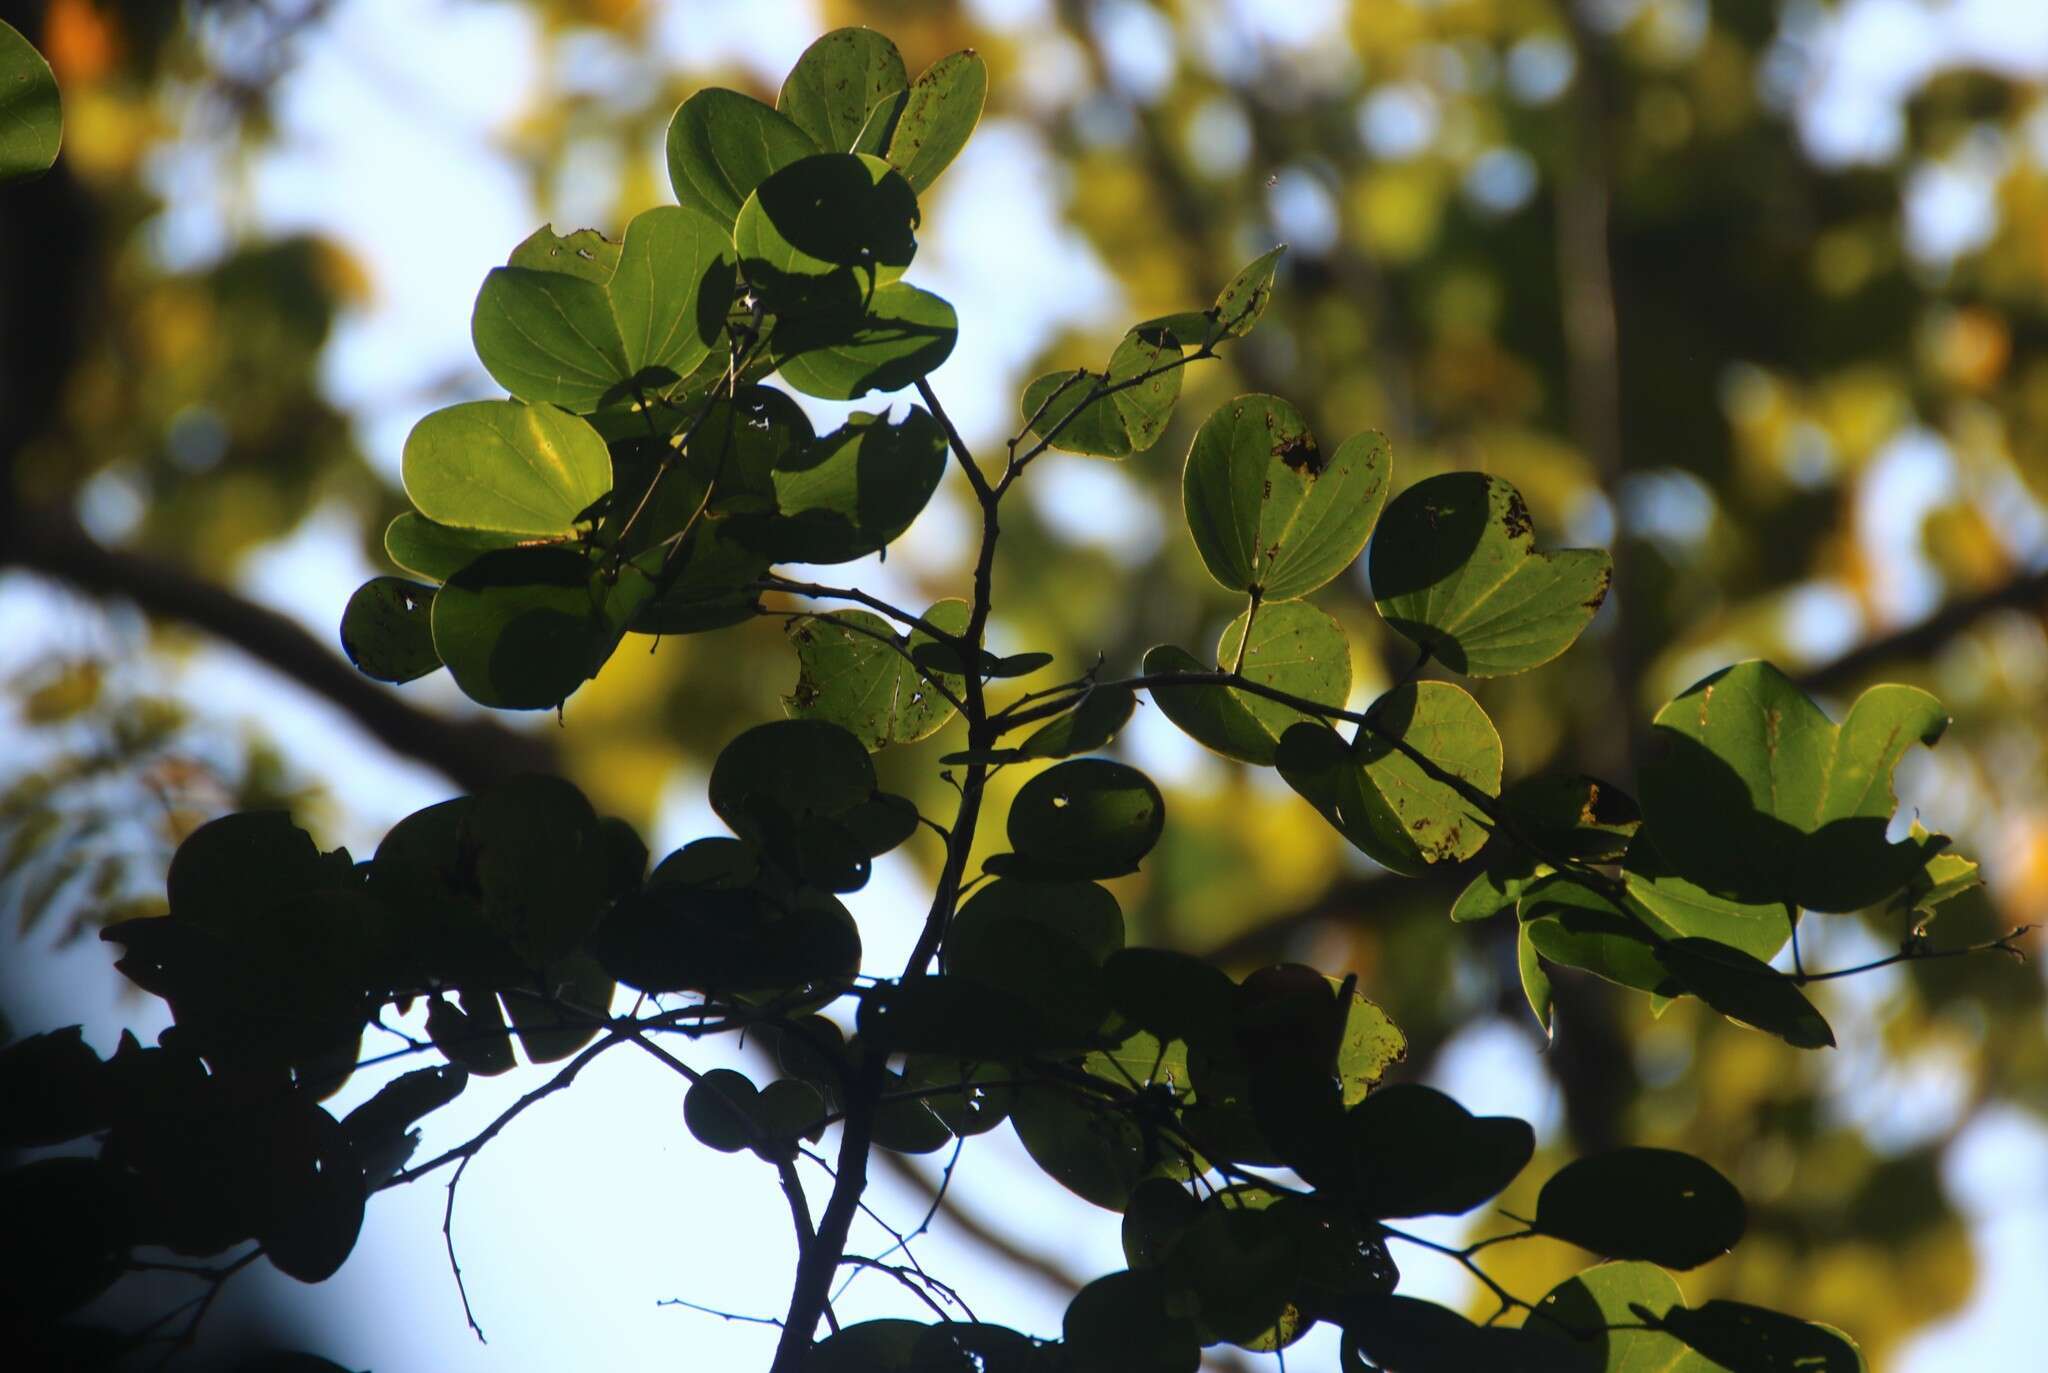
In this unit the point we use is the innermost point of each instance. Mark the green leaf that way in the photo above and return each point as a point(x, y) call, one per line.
point(1535, 981)
point(584, 253)
point(1496, 887)
point(1114, 413)
point(1087, 817)
point(1237, 1264)
point(1570, 923)
point(1268, 509)
point(521, 629)
point(840, 77)
point(670, 293)
point(979, 1097)
point(1241, 303)
point(1419, 1153)
point(386, 630)
point(719, 1108)
point(438, 551)
point(1408, 1335)
point(1455, 569)
point(721, 145)
point(1572, 816)
point(854, 670)
point(1089, 726)
point(937, 116)
point(503, 467)
point(1604, 1307)
point(1158, 1211)
point(706, 585)
point(1752, 791)
point(821, 235)
point(1944, 877)
point(1736, 1335)
point(797, 766)
point(1294, 648)
point(31, 113)
point(1081, 913)
point(1659, 1205)
point(1400, 815)
point(549, 338)
point(1168, 994)
point(905, 334)
point(1678, 907)
point(1746, 990)
point(539, 865)
point(849, 493)
point(574, 335)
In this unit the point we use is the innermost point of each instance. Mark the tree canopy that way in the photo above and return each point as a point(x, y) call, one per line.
point(1202, 921)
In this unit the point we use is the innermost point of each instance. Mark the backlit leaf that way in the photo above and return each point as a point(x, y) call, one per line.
point(1294, 648)
point(722, 144)
point(503, 467)
point(1455, 569)
point(31, 113)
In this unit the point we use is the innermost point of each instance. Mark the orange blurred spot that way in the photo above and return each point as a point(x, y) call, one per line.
point(80, 43)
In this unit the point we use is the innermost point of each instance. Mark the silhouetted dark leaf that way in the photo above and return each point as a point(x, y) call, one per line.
point(1655, 1204)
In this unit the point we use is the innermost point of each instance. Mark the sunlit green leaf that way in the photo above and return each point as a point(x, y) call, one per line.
point(438, 551)
point(904, 334)
point(1269, 509)
point(503, 467)
point(840, 77)
point(850, 492)
point(855, 670)
point(1294, 648)
point(1113, 413)
point(1400, 813)
point(1751, 790)
point(821, 235)
point(722, 144)
point(1455, 569)
point(937, 115)
point(520, 629)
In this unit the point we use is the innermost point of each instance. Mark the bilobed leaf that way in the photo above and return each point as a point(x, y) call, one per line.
point(854, 670)
point(1752, 791)
point(938, 114)
point(720, 1107)
point(1419, 1153)
point(1735, 1335)
point(549, 338)
point(904, 334)
point(582, 253)
point(722, 144)
point(1401, 815)
point(520, 629)
point(1678, 907)
point(31, 113)
point(1269, 509)
point(1087, 817)
point(1605, 1307)
point(1408, 1335)
point(1568, 922)
point(840, 77)
point(1113, 413)
point(502, 467)
point(797, 767)
point(1238, 1263)
point(1168, 994)
point(1294, 648)
point(438, 551)
point(823, 233)
point(1654, 1204)
point(1083, 914)
point(849, 492)
point(1455, 569)
point(670, 292)
point(385, 629)
point(1746, 989)
point(1572, 816)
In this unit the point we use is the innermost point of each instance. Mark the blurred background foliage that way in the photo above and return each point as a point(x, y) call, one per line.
point(1781, 347)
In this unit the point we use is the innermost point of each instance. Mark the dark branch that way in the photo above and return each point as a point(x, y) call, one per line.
point(472, 753)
